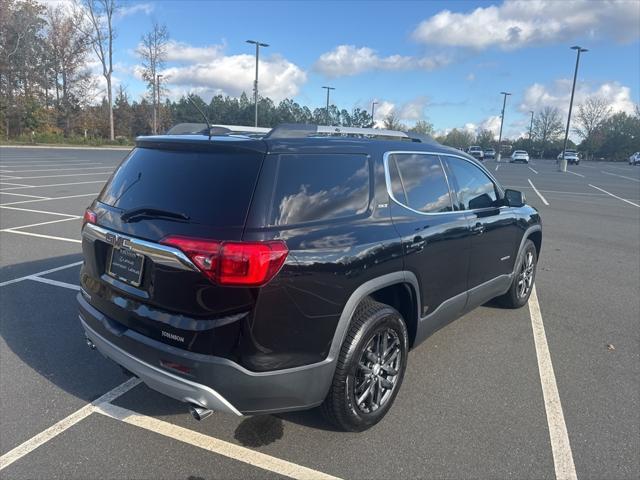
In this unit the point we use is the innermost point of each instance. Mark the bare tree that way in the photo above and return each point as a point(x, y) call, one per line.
point(98, 15)
point(153, 52)
point(591, 117)
point(392, 122)
point(547, 126)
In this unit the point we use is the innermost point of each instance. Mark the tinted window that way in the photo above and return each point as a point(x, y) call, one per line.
point(474, 188)
point(317, 187)
point(210, 188)
point(422, 180)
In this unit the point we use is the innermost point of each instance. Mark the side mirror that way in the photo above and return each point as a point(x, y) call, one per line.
point(514, 198)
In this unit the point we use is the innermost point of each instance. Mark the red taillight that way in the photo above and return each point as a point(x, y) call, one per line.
point(233, 263)
point(89, 217)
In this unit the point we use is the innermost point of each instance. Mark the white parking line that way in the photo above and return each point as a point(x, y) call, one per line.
point(56, 283)
point(44, 272)
point(544, 200)
point(51, 185)
point(49, 213)
point(615, 196)
point(40, 235)
point(64, 175)
point(15, 184)
point(24, 195)
point(497, 167)
point(75, 217)
point(534, 171)
point(59, 427)
point(560, 445)
point(211, 444)
point(621, 176)
point(575, 173)
point(58, 169)
point(51, 164)
point(49, 199)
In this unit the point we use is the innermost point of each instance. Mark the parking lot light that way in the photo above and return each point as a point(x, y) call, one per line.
point(328, 90)
point(255, 82)
point(504, 104)
point(562, 165)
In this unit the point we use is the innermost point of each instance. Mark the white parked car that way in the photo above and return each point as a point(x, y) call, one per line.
point(519, 156)
point(476, 152)
point(571, 156)
point(634, 159)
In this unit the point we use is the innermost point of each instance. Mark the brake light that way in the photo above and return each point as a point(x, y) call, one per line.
point(233, 263)
point(89, 217)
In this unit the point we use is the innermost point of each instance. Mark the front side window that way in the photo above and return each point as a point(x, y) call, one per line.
point(419, 182)
point(474, 188)
point(312, 188)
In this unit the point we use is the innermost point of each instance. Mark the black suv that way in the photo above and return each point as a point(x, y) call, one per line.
point(260, 275)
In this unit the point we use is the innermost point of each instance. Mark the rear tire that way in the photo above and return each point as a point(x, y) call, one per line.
point(370, 368)
point(524, 279)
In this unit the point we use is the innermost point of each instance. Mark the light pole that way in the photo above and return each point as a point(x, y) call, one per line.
point(562, 165)
point(504, 104)
point(530, 130)
point(373, 109)
point(255, 82)
point(157, 118)
point(328, 90)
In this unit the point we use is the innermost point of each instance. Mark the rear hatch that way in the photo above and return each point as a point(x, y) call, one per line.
point(172, 188)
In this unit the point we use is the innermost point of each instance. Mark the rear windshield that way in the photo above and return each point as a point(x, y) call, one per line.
point(210, 188)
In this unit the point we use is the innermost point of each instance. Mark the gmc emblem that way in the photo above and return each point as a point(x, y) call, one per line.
point(118, 241)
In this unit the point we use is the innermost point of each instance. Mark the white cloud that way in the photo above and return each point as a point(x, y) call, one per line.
point(181, 52)
point(351, 60)
point(518, 23)
point(132, 9)
point(231, 74)
point(558, 94)
point(471, 77)
point(407, 112)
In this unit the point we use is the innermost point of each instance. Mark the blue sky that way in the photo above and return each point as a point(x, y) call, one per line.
point(443, 61)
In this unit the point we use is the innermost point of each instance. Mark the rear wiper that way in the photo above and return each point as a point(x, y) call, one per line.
point(148, 212)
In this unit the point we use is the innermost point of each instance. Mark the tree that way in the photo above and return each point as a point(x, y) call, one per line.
point(98, 26)
point(422, 127)
point(392, 122)
point(460, 139)
point(153, 52)
point(485, 138)
point(547, 127)
point(590, 118)
point(621, 133)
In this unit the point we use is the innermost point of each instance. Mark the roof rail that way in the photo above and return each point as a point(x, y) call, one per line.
point(238, 129)
point(296, 130)
point(201, 128)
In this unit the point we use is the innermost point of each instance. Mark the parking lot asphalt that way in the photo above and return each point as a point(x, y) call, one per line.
point(477, 400)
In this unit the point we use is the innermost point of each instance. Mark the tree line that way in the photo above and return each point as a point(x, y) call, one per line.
point(47, 92)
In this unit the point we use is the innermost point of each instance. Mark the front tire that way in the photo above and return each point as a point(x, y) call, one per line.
point(370, 368)
point(524, 279)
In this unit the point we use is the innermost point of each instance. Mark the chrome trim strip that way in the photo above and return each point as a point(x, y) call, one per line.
point(160, 254)
point(387, 177)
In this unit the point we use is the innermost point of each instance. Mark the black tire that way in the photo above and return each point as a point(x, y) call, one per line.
point(372, 322)
point(524, 279)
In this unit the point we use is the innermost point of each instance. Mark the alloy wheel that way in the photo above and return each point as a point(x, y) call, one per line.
point(526, 274)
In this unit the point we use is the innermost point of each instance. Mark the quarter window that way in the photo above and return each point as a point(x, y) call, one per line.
point(474, 188)
point(418, 181)
point(319, 187)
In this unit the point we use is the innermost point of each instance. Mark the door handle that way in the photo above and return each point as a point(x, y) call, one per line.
point(478, 229)
point(418, 243)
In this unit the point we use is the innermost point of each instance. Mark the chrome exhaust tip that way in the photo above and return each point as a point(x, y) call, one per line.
point(199, 413)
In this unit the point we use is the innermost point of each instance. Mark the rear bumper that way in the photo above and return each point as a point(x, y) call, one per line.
point(213, 382)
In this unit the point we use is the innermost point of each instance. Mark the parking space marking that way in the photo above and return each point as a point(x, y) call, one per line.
point(64, 175)
point(621, 176)
point(51, 164)
point(49, 199)
point(211, 444)
point(544, 200)
point(55, 283)
point(51, 185)
point(497, 167)
point(25, 195)
point(575, 173)
point(15, 184)
point(560, 445)
point(11, 229)
point(64, 424)
point(40, 235)
point(534, 171)
point(58, 169)
point(37, 274)
point(46, 212)
point(615, 196)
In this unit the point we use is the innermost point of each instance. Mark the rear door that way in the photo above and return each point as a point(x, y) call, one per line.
point(435, 237)
point(494, 227)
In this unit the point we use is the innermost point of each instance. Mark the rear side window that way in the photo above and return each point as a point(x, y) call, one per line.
point(210, 188)
point(419, 182)
point(474, 188)
point(311, 188)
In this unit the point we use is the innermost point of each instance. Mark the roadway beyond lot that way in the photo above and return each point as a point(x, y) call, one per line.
point(479, 399)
